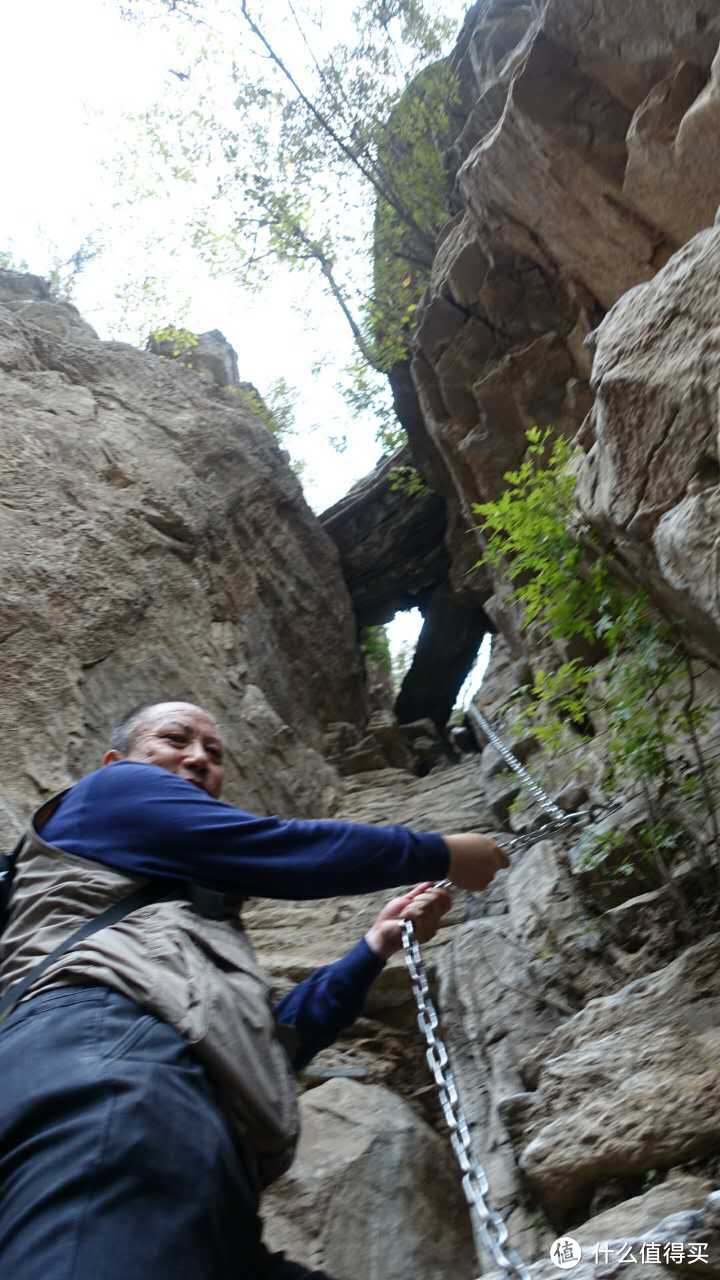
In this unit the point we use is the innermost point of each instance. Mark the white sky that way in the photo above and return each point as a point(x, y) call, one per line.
point(69, 75)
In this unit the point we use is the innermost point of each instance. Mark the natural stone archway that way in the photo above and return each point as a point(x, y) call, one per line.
point(393, 554)
point(452, 633)
point(391, 543)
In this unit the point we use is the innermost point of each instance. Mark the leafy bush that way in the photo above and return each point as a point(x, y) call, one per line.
point(569, 593)
point(376, 648)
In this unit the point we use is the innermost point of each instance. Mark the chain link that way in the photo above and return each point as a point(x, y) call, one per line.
point(476, 718)
point(488, 1225)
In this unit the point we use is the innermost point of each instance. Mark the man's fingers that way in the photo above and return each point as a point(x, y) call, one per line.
point(431, 906)
point(418, 889)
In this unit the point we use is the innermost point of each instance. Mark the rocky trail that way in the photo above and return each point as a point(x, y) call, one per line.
point(571, 1039)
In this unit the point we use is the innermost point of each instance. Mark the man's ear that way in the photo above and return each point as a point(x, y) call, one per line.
point(111, 756)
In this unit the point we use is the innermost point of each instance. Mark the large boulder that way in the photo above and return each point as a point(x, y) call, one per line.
point(651, 480)
point(629, 1085)
point(372, 1194)
point(155, 544)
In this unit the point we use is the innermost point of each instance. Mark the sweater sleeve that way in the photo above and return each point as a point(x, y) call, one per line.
point(329, 1000)
point(145, 821)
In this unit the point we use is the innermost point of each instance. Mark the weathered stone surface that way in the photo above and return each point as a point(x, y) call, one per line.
point(679, 1192)
point(651, 481)
point(610, 114)
point(627, 1085)
point(155, 544)
point(492, 1012)
point(391, 543)
point(30, 299)
point(416, 747)
point(634, 1239)
point(372, 1194)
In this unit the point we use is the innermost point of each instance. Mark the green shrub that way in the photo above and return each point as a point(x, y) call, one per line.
point(569, 593)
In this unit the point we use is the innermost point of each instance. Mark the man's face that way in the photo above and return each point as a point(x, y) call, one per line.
point(184, 740)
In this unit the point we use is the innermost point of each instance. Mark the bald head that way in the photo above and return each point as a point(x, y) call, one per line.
point(177, 736)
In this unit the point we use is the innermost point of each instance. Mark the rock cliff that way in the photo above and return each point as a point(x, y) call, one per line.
point(154, 542)
point(588, 156)
point(575, 287)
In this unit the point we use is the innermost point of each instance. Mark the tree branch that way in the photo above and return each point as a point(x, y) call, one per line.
point(315, 251)
point(372, 177)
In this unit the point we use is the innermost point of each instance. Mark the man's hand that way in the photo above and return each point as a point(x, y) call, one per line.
point(425, 905)
point(474, 860)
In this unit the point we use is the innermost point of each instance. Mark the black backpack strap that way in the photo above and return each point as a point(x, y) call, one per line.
point(141, 898)
point(7, 874)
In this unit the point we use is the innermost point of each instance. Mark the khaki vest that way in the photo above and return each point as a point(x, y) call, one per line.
point(198, 974)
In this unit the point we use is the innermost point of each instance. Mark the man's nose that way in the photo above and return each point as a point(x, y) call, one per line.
point(196, 755)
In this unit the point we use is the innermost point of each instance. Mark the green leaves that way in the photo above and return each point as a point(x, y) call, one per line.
point(408, 481)
point(276, 409)
point(528, 537)
point(325, 155)
point(569, 594)
point(376, 648)
point(178, 342)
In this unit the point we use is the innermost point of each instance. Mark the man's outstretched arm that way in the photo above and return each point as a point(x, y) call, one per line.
point(330, 1000)
point(146, 821)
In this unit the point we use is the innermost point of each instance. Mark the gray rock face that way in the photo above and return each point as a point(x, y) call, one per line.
point(671, 1229)
point(154, 544)
point(627, 1085)
point(588, 156)
point(390, 542)
point(364, 1159)
point(651, 480)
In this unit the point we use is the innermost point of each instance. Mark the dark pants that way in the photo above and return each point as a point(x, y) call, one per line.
point(115, 1162)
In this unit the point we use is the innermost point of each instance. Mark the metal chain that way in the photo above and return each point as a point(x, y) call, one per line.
point(477, 718)
point(489, 1228)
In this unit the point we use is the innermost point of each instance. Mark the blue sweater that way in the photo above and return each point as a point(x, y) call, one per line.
point(144, 821)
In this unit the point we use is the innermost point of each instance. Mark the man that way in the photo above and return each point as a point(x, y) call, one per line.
point(147, 1090)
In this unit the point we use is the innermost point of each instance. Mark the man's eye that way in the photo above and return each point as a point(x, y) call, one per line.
point(215, 753)
point(175, 737)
